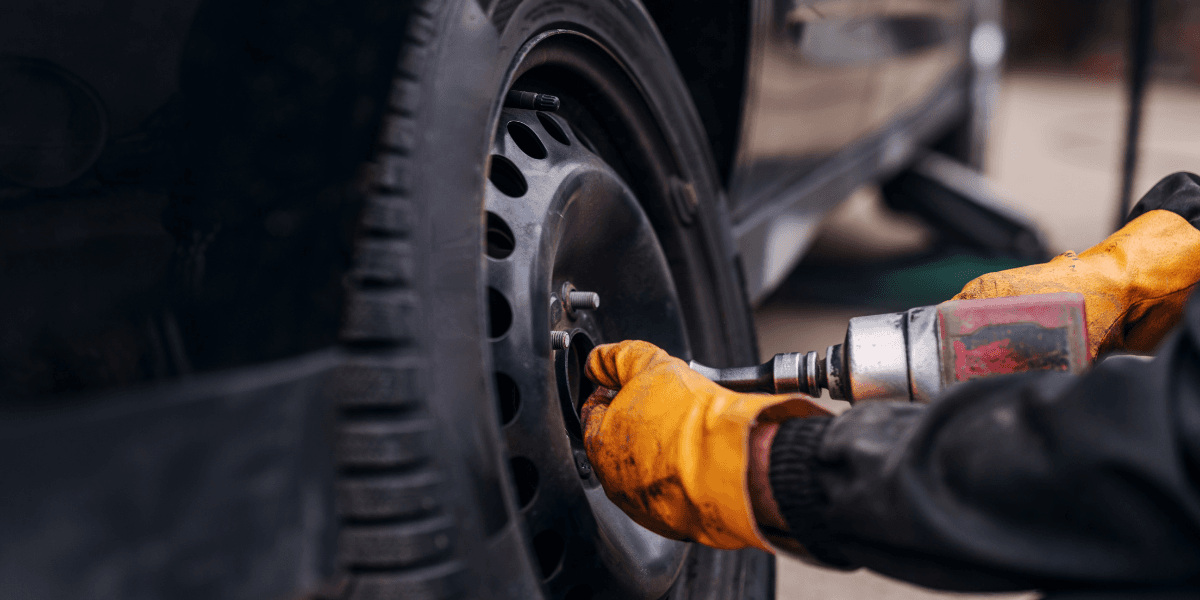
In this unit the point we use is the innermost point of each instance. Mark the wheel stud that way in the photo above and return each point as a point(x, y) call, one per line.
point(574, 299)
point(583, 300)
point(560, 340)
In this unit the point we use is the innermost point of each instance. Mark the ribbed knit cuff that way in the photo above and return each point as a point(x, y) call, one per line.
point(799, 494)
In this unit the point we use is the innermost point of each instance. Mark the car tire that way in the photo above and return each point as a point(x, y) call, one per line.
point(430, 500)
point(431, 497)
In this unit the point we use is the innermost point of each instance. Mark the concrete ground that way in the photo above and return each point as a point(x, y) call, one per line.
point(1054, 155)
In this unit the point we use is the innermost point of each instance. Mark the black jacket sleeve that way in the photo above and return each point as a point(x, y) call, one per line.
point(1178, 193)
point(1031, 481)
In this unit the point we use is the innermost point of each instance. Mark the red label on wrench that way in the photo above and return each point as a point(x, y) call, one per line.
point(998, 336)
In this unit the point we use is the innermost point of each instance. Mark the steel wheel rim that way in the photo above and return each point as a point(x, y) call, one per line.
point(548, 198)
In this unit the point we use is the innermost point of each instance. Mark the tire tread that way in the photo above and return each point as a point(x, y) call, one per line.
point(388, 496)
point(396, 536)
point(440, 582)
point(419, 542)
point(384, 443)
point(379, 381)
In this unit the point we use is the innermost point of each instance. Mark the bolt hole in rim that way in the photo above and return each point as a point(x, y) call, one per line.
point(510, 398)
point(527, 140)
point(507, 177)
point(579, 592)
point(554, 129)
point(549, 546)
point(525, 474)
point(500, 239)
point(500, 315)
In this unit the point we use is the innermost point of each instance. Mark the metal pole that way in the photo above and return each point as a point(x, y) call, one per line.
point(1140, 55)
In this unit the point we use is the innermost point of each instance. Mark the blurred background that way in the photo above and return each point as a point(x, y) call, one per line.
point(1055, 155)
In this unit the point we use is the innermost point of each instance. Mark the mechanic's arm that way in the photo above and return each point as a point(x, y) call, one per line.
point(1031, 481)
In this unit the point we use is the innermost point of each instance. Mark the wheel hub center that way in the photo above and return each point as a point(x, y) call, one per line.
point(573, 385)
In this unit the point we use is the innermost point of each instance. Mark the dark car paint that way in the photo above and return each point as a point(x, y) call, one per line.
point(710, 43)
point(214, 487)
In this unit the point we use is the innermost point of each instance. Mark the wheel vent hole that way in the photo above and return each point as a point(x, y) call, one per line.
point(500, 239)
point(579, 592)
point(554, 129)
point(510, 398)
point(548, 546)
point(525, 476)
point(527, 140)
point(507, 177)
point(500, 314)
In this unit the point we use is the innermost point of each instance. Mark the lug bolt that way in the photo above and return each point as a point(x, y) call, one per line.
point(574, 299)
point(560, 340)
point(583, 300)
point(582, 465)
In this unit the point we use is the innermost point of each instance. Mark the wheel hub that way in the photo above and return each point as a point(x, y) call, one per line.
point(560, 220)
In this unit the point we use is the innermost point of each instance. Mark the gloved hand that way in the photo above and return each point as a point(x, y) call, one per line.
point(1135, 283)
point(671, 447)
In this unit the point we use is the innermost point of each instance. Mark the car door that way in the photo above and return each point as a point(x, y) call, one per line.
point(840, 93)
point(919, 45)
point(806, 95)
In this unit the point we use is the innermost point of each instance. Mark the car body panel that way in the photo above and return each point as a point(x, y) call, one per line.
point(839, 93)
point(772, 239)
point(799, 107)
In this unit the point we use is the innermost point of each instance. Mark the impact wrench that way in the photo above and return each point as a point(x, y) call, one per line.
point(914, 355)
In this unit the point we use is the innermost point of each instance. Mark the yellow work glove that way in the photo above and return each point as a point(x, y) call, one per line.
point(671, 448)
point(1135, 283)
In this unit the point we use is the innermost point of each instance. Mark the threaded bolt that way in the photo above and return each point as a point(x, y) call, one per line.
point(583, 300)
point(560, 340)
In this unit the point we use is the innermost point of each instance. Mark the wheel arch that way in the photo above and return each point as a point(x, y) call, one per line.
point(710, 42)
